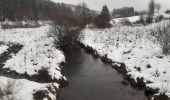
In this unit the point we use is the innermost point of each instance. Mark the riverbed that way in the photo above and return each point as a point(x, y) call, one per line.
point(91, 79)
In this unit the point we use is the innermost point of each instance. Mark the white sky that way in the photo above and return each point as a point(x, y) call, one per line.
point(137, 4)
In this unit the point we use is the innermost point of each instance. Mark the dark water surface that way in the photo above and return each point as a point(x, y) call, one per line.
point(90, 79)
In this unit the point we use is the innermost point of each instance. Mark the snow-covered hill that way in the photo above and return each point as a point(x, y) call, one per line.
point(134, 19)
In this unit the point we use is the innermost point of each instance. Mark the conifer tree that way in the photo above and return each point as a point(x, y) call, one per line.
point(105, 14)
point(103, 20)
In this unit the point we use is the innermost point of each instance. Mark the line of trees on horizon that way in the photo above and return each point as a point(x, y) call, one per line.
point(18, 10)
point(125, 12)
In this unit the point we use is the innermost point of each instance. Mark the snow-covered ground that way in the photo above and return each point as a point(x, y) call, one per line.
point(3, 48)
point(38, 53)
point(137, 49)
point(23, 89)
point(132, 19)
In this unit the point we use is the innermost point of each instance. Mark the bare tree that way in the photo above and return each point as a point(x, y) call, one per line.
point(66, 31)
point(162, 33)
point(83, 14)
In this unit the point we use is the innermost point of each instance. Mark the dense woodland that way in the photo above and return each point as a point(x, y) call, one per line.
point(26, 9)
point(16, 10)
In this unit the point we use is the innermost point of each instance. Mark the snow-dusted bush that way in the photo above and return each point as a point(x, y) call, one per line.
point(7, 90)
point(159, 18)
point(162, 33)
point(65, 29)
point(50, 93)
point(65, 36)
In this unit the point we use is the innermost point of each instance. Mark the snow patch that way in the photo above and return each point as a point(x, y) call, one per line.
point(22, 89)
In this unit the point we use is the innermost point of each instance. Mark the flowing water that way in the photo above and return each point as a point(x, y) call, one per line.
point(91, 79)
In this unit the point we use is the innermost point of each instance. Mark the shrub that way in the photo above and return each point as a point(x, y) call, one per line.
point(7, 90)
point(125, 22)
point(66, 30)
point(64, 36)
point(142, 19)
point(159, 18)
point(40, 94)
point(100, 23)
point(162, 33)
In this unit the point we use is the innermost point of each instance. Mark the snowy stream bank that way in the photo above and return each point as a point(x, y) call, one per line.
point(137, 49)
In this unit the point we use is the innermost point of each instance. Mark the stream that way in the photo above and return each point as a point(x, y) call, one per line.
point(91, 79)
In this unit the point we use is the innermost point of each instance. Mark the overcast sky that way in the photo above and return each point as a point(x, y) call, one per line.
point(137, 4)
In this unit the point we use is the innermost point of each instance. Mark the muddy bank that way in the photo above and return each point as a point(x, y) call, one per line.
point(121, 68)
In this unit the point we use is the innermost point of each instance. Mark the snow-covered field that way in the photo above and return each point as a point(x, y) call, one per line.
point(38, 53)
point(137, 49)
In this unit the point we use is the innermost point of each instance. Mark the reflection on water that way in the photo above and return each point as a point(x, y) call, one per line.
point(90, 79)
